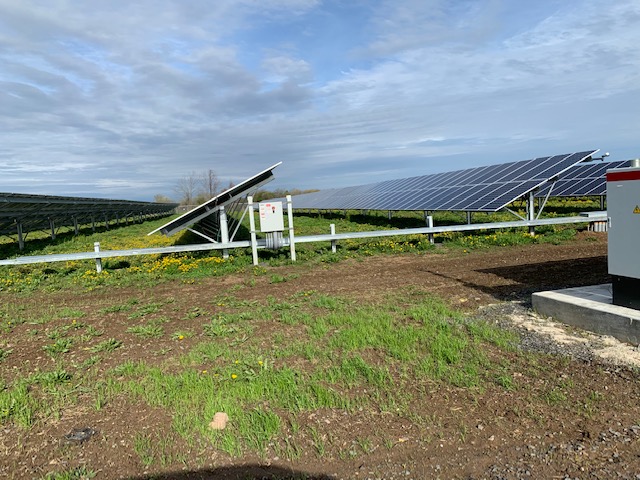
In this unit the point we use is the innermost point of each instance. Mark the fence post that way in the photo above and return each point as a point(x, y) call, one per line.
point(333, 242)
point(224, 231)
point(292, 238)
point(252, 225)
point(96, 248)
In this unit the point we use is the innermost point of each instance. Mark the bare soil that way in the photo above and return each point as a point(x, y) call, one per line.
point(493, 432)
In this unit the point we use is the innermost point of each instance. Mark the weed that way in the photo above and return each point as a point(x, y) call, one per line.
point(506, 381)
point(78, 473)
point(142, 445)
point(106, 346)
point(195, 312)
point(146, 331)
point(219, 328)
point(318, 441)
point(145, 310)
point(555, 396)
point(62, 345)
point(117, 308)
point(366, 445)
point(93, 332)
point(181, 335)
point(4, 353)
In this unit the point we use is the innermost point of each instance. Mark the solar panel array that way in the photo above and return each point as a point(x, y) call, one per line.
point(42, 212)
point(583, 180)
point(482, 189)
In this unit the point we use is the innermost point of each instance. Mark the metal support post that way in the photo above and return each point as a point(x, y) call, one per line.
point(53, 229)
point(93, 224)
point(224, 231)
point(531, 214)
point(430, 225)
point(292, 237)
point(468, 218)
point(20, 236)
point(334, 243)
point(96, 248)
point(389, 214)
point(252, 226)
point(75, 226)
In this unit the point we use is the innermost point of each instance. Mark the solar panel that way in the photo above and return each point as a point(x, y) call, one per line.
point(225, 199)
point(481, 189)
point(21, 213)
point(583, 180)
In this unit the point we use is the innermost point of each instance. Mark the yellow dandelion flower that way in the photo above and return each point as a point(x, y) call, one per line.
point(234, 376)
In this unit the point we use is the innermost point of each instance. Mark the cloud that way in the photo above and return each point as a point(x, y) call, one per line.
point(149, 91)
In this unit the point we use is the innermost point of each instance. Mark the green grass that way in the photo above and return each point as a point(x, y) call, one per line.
point(263, 390)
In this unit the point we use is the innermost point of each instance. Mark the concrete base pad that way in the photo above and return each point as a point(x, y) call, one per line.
point(590, 308)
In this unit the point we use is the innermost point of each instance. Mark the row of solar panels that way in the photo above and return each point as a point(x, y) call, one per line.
point(482, 189)
point(583, 180)
point(44, 212)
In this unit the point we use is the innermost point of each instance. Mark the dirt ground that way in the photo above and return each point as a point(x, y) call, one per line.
point(493, 433)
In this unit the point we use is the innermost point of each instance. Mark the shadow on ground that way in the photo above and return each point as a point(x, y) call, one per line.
point(246, 472)
point(536, 277)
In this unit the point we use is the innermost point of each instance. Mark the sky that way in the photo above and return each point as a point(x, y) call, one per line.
point(122, 98)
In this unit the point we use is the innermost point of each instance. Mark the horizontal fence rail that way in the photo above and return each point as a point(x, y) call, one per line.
point(331, 237)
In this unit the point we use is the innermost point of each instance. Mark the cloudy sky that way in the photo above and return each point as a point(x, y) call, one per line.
point(120, 98)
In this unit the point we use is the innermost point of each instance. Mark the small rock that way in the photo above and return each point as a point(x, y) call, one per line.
point(219, 421)
point(80, 435)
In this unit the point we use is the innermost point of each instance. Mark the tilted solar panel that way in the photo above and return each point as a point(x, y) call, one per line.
point(213, 205)
point(481, 189)
point(583, 180)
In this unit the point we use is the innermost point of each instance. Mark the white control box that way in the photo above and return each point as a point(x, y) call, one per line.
point(623, 210)
point(271, 217)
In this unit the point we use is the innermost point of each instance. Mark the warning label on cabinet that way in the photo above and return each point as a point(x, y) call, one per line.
point(637, 210)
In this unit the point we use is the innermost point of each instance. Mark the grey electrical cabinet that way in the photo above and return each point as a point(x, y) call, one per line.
point(623, 209)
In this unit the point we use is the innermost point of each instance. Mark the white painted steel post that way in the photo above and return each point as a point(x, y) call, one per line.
point(224, 231)
point(292, 237)
point(96, 248)
point(252, 226)
point(333, 242)
point(531, 206)
point(430, 225)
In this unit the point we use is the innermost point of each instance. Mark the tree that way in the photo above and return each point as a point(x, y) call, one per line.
point(159, 198)
point(186, 188)
point(209, 183)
